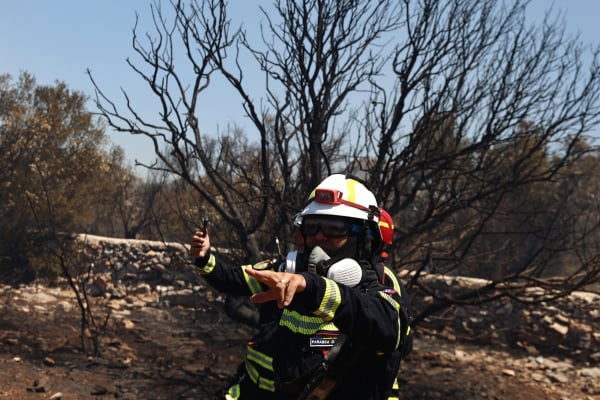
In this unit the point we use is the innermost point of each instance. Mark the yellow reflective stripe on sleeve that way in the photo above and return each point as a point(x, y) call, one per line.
point(303, 324)
point(233, 393)
point(259, 358)
point(210, 265)
point(396, 306)
point(252, 283)
point(330, 302)
point(260, 381)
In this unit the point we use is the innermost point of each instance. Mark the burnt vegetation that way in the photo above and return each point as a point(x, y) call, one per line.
point(473, 127)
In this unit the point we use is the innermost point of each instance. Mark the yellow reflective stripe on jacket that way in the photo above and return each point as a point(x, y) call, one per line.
point(396, 306)
point(392, 276)
point(210, 265)
point(252, 283)
point(260, 381)
point(259, 358)
point(330, 302)
point(233, 393)
point(395, 394)
point(303, 324)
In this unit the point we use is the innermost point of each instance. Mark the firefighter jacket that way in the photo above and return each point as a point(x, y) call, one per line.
point(367, 315)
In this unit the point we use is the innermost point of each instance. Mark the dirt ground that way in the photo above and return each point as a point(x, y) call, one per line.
point(151, 350)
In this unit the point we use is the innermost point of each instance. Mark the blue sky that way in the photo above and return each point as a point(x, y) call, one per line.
point(60, 39)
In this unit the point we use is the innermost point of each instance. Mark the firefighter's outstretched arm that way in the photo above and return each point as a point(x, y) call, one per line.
point(283, 286)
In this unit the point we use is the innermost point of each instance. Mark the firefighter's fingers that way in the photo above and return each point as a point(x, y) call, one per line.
point(278, 286)
point(296, 285)
point(280, 290)
point(263, 297)
point(275, 294)
point(283, 286)
point(269, 278)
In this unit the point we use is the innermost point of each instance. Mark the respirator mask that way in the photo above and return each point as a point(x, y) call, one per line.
point(346, 271)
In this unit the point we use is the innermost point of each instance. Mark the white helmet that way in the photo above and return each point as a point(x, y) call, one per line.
point(340, 196)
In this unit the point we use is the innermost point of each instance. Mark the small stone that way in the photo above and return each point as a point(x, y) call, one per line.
point(590, 372)
point(128, 324)
point(49, 362)
point(557, 377)
point(560, 328)
point(538, 377)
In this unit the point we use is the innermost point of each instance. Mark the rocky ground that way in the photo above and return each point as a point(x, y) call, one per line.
point(164, 346)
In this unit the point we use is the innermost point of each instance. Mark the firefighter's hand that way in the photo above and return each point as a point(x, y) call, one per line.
point(283, 286)
point(200, 243)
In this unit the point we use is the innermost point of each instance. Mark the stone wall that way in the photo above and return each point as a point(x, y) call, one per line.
point(569, 326)
point(133, 261)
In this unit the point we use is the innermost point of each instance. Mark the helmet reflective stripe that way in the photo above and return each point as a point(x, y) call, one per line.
point(339, 196)
point(352, 190)
point(350, 186)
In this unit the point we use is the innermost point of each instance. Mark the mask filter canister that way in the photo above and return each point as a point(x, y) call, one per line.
point(346, 271)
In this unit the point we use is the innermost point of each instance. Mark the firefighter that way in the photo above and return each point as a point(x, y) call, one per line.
point(338, 326)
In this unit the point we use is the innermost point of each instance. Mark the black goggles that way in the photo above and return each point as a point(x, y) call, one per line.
point(333, 228)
